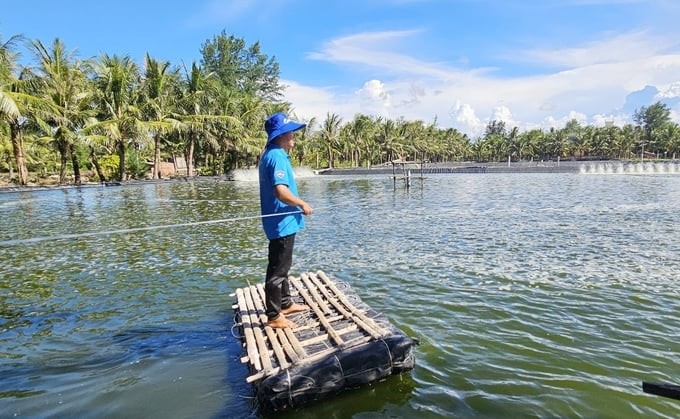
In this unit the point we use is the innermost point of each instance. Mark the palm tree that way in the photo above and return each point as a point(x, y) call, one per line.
point(614, 139)
point(329, 136)
point(599, 142)
point(558, 143)
point(96, 144)
point(234, 121)
point(117, 80)
point(411, 139)
point(306, 144)
point(65, 87)
point(372, 147)
point(630, 137)
point(387, 137)
point(17, 101)
point(203, 107)
point(522, 145)
point(358, 131)
point(367, 132)
point(651, 120)
point(192, 102)
point(480, 148)
point(536, 143)
point(497, 146)
point(158, 105)
point(583, 144)
point(9, 108)
point(669, 138)
point(6, 150)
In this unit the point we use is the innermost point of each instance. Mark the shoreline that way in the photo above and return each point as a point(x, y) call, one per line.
point(471, 167)
point(459, 167)
point(7, 188)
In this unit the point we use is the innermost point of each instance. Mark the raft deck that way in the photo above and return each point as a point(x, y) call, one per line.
point(340, 343)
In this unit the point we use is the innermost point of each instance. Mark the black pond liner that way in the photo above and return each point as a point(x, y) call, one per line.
point(337, 368)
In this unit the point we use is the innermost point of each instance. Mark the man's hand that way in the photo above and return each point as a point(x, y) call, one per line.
point(286, 196)
point(306, 208)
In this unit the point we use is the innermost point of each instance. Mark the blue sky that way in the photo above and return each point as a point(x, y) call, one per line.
point(531, 63)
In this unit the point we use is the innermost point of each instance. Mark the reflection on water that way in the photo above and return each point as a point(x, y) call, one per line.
point(534, 295)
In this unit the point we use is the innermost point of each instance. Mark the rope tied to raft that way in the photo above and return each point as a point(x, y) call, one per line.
point(236, 325)
point(388, 353)
point(146, 228)
point(290, 388)
point(342, 371)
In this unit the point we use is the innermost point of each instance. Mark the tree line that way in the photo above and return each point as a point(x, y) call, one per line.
point(114, 119)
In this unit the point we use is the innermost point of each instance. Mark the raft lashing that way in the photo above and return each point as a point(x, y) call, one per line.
point(340, 343)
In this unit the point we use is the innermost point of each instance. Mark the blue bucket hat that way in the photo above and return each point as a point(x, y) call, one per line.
point(278, 124)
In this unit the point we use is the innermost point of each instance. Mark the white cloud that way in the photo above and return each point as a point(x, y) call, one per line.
point(672, 91)
point(309, 102)
point(466, 119)
point(675, 115)
point(600, 120)
point(380, 51)
point(552, 122)
point(312, 102)
point(594, 79)
point(374, 99)
point(614, 49)
point(502, 113)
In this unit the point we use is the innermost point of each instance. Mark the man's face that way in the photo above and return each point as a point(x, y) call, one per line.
point(287, 140)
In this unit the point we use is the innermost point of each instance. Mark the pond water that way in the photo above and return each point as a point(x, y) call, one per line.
point(533, 295)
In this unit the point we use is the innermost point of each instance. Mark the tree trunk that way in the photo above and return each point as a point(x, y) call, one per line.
point(18, 148)
point(330, 157)
point(63, 154)
point(121, 156)
point(11, 168)
point(190, 155)
point(97, 167)
point(76, 166)
point(156, 173)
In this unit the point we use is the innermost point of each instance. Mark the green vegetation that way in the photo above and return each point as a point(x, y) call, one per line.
point(108, 118)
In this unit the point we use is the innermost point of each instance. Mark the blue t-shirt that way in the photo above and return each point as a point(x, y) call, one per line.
point(276, 169)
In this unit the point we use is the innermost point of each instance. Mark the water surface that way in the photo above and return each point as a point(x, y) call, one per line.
point(533, 295)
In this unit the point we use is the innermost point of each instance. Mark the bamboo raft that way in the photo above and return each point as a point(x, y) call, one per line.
point(340, 343)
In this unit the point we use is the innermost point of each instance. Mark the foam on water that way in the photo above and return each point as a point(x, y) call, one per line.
point(251, 175)
point(640, 168)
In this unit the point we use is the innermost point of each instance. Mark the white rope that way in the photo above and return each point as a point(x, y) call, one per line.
point(389, 353)
point(290, 389)
point(234, 326)
point(133, 230)
point(342, 370)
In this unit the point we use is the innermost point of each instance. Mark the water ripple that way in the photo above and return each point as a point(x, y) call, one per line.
point(532, 295)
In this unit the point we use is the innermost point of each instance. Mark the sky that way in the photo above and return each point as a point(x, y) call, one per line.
point(457, 63)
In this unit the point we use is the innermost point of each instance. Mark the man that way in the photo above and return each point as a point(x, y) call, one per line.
point(279, 195)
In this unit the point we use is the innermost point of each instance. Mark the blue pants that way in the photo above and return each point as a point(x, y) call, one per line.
point(276, 286)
